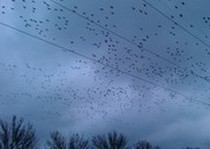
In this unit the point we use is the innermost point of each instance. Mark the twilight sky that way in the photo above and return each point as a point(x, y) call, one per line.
point(137, 66)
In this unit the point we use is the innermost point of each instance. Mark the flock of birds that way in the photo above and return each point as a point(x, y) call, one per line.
point(126, 55)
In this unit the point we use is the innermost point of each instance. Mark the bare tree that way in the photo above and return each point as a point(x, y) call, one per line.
point(77, 142)
point(145, 145)
point(57, 141)
point(17, 135)
point(111, 141)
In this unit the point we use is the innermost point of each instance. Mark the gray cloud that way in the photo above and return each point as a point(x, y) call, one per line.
point(57, 89)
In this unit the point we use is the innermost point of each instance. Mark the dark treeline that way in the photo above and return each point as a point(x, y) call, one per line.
point(18, 135)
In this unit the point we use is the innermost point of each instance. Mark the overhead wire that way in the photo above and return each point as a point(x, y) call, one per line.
point(111, 67)
point(205, 78)
point(176, 23)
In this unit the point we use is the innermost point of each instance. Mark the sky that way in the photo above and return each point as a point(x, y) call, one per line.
point(140, 67)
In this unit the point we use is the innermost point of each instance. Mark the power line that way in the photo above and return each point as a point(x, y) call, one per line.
point(180, 26)
point(205, 78)
point(106, 65)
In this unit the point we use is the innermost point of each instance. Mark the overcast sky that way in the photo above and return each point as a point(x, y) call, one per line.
point(139, 67)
